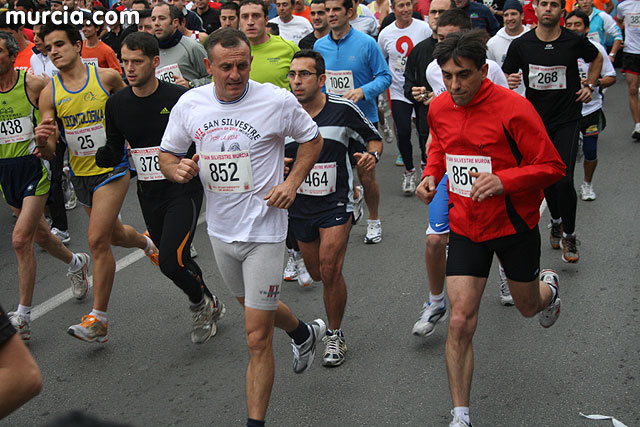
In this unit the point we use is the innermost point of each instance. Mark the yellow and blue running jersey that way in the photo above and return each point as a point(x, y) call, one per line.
point(81, 117)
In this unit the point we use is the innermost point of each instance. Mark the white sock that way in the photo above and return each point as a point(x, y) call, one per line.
point(586, 183)
point(565, 235)
point(297, 254)
point(436, 299)
point(75, 264)
point(462, 412)
point(556, 221)
point(373, 221)
point(24, 311)
point(150, 245)
point(100, 315)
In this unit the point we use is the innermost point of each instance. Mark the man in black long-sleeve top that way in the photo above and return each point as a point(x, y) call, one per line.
point(139, 114)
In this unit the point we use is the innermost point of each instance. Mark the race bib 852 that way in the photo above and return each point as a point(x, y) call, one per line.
point(226, 172)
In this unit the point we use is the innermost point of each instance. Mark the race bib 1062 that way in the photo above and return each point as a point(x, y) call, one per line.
point(339, 82)
point(84, 142)
point(458, 169)
point(16, 130)
point(169, 73)
point(147, 163)
point(320, 181)
point(226, 172)
point(542, 77)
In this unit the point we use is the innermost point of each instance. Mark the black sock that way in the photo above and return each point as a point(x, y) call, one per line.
point(254, 423)
point(300, 334)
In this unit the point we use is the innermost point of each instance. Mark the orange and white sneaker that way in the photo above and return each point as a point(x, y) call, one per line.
point(90, 329)
point(152, 253)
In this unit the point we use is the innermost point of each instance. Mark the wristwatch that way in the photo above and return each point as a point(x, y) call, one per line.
point(375, 154)
point(591, 87)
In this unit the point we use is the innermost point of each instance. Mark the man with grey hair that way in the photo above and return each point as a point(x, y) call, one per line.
point(239, 127)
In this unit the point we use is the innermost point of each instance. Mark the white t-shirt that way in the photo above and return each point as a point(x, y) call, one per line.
point(629, 11)
point(497, 47)
point(294, 30)
point(434, 76)
point(396, 44)
point(254, 127)
point(607, 70)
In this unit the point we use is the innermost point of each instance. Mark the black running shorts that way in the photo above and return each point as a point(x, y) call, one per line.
point(519, 254)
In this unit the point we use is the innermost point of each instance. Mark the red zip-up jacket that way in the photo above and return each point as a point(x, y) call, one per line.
point(503, 125)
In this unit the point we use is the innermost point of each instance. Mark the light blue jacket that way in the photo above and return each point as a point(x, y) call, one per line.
point(359, 53)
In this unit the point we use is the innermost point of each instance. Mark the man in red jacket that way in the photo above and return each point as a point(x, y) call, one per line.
point(497, 169)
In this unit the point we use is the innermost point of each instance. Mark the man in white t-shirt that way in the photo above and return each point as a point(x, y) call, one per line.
point(239, 127)
point(291, 27)
point(396, 41)
point(497, 46)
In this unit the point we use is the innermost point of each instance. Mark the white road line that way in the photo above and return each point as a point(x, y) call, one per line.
point(66, 295)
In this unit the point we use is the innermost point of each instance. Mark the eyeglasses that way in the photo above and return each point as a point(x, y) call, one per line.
point(436, 11)
point(303, 74)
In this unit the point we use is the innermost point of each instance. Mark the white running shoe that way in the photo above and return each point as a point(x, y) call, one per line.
point(290, 273)
point(587, 192)
point(304, 353)
point(458, 422)
point(335, 348)
point(505, 293)
point(21, 324)
point(409, 183)
point(549, 315)
point(374, 232)
point(358, 205)
point(64, 236)
point(429, 318)
point(304, 278)
point(387, 133)
point(80, 278)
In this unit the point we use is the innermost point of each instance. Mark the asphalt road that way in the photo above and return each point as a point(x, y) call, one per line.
point(150, 374)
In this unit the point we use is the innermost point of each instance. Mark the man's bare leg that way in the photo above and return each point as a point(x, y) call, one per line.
point(465, 293)
point(106, 229)
point(371, 191)
point(324, 259)
point(31, 227)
